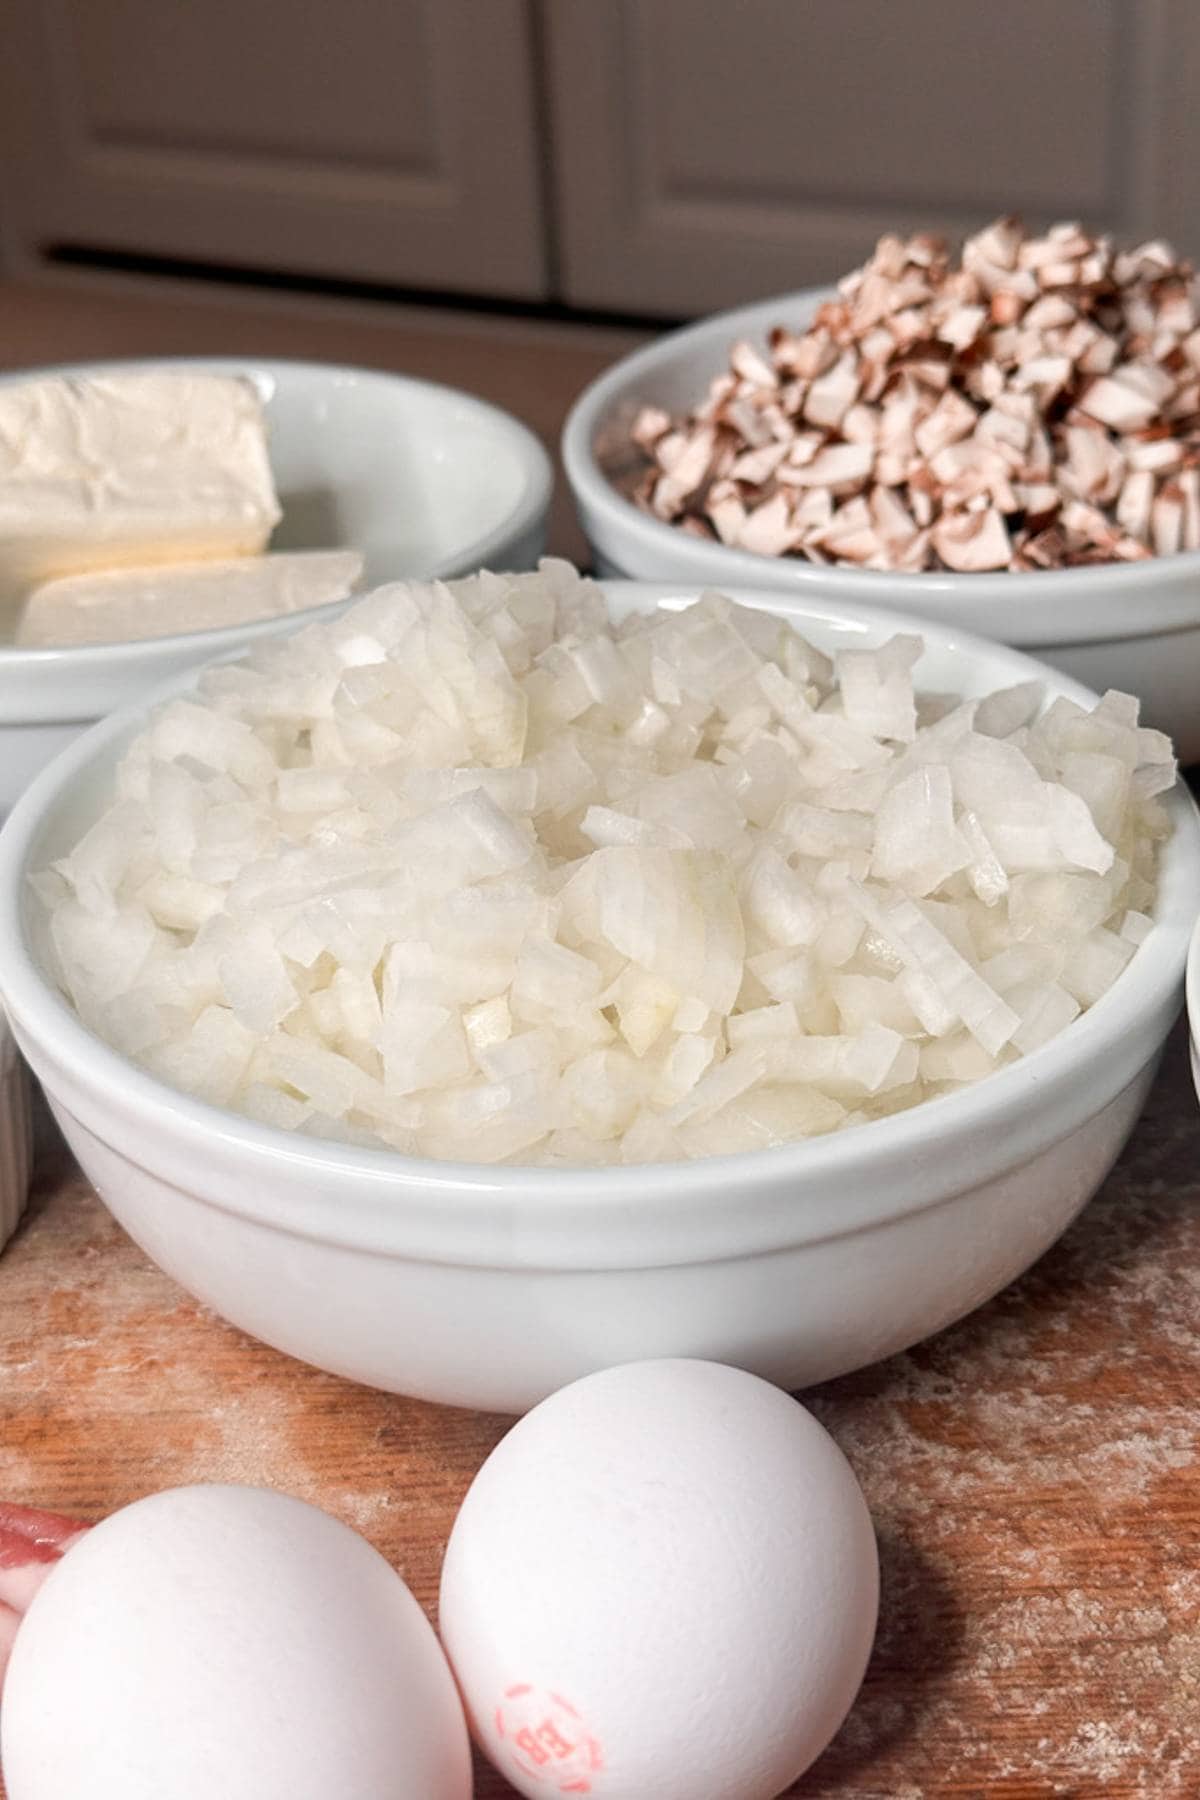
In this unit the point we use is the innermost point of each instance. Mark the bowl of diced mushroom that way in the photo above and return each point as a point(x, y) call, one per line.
point(1004, 437)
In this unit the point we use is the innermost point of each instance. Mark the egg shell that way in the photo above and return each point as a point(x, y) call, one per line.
point(663, 1581)
point(227, 1641)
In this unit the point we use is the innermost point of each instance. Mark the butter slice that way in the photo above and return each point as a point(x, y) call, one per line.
point(116, 605)
point(129, 469)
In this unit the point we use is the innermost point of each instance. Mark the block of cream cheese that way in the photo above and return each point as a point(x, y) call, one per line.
point(148, 466)
point(116, 605)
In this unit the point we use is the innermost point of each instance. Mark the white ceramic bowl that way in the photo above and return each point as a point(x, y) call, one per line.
point(491, 1287)
point(420, 478)
point(1134, 626)
point(16, 1150)
point(1193, 1004)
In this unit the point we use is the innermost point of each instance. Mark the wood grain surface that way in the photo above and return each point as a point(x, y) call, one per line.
point(1034, 1475)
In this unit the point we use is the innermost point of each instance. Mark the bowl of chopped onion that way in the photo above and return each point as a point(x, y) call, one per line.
point(1006, 440)
point(520, 975)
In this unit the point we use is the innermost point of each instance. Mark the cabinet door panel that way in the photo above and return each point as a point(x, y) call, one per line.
point(707, 155)
point(391, 140)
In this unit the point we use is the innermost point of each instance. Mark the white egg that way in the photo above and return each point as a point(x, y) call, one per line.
point(227, 1641)
point(662, 1582)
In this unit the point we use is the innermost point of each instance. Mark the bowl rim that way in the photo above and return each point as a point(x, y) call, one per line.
point(999, 1122)
point(531, 454)
point(1027, 590)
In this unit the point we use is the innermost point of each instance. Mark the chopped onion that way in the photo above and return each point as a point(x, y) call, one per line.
point(471, 874)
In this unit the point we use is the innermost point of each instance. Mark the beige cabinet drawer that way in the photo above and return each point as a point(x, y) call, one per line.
point(384, 140)
point(708, 154)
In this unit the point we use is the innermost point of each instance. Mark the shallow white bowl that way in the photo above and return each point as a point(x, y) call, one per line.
point(16, 1145)
point(422, 479)
point(1193, 1002)
point(1134, 626)
point(491, 1287)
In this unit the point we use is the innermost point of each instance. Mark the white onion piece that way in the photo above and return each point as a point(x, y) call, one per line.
point(468, 873)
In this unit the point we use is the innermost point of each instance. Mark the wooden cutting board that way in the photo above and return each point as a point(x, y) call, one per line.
point(1034, 1474)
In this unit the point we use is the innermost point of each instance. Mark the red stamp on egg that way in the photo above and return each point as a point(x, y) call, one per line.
point(544, 1736)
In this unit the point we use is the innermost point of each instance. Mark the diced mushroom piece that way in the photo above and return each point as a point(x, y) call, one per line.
point(1099, 358)
point(967, 457)
point(726, 511)
point(832, 394)
point(915, 556)
point(1185, 402)
point(1046, 375)
point(985, 382)
point(750, 365)
point(972, 543)
point(861, 425)
point(962, 326)
point(999, 426)
point(908, 327)
point(922, 503)
point(1059, 274)
point(690, 466)
point(768, 530)
point(837, 466)
point(850, 534)
point(1134, 503)
point(650, 424)
point(720, 392)
point(1095, 467)
point(1147, 378)
point(747, 421)
point(1050, 312)
point(925, 249)
point(892, 519)
point(671, 446)
point(1087, 523)
point(1162, 455)
point(1166, 521)
point(785, 345)
point(1116, 402)
point(997, 243)
point(1022, 407)
point(812, 512)
point(1071, 238)
point(1046, 550)
point(1189, 493)
point(1039, 456)
point(928, 370)
point(1005, 309)
point(1149, 261)
point(800, 453)
point(1040, 501)
point(757, 466)
point(814, 354)
point(952, 418)
point(1175, 305)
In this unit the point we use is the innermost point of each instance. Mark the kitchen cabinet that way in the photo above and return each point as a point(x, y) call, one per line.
point(657, 157)
point(385, 140)
point(705, 155)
